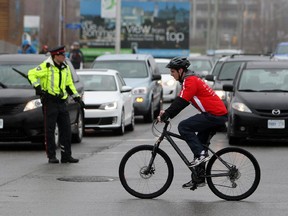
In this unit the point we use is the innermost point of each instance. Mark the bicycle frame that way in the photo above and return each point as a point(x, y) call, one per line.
point(168, 135)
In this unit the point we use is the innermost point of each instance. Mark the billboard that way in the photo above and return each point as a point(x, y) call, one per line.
point(160, 28)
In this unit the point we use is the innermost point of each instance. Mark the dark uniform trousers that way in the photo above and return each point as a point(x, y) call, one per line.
point(56, 112)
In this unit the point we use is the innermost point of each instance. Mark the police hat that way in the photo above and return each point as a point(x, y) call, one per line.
point(57, 50)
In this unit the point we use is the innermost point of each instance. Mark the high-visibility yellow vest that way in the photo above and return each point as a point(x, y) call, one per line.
point(52, 80)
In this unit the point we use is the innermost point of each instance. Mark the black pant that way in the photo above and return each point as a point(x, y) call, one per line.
point(201, 123)
point(55, 111)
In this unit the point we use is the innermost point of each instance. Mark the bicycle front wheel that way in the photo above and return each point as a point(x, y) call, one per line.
point(238, 182)
point(140, 181)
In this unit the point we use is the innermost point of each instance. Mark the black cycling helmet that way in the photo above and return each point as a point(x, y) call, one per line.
point(178, 62)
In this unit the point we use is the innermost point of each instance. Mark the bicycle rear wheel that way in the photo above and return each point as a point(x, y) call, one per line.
point(241, 181)
point(141, 182)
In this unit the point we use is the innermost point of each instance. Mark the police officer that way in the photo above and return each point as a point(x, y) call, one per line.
point(53, 82)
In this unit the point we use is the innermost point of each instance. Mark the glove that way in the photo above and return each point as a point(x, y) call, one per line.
point(38, 90)
point(164, 117)
point(79, 100)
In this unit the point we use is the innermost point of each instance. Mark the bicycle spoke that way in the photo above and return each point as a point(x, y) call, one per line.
point(243, 176)
point(140, 181)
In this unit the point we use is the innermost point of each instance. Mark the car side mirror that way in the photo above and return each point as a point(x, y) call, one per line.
point(228, 87)
point(126, 89)
point(210, 77)
point(156, 77)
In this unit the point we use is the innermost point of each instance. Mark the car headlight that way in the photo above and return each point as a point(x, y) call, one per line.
point(241, 107)
point(108, 106)
point(170, 82)
point(140, 90)
point(221, 94)
point(33, 104)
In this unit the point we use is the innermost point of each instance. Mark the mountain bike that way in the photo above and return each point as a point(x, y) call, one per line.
point(146, 171)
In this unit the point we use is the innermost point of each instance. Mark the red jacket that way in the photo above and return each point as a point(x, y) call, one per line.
point(201, 96)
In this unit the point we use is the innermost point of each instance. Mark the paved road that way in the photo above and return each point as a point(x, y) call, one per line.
point(29, 186)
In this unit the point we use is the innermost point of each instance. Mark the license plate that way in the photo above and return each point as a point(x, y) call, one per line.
point(1, 123)
point(276, 124)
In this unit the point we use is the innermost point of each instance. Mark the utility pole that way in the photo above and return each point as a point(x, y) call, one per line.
point(60, 23)
point(216, 37)
point(118, 27)
point(208, 32)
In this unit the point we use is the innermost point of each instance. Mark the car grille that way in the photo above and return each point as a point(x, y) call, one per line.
point(92, 106)
point(269, 133)
point(6, 135)
point(11, 109)
point(99, 121)
point(268, 113)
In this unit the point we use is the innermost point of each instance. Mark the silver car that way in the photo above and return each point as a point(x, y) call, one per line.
point(141, 73)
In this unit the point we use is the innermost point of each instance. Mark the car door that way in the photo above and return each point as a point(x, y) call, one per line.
point(156, 86)
point(127, 99)
point(73, 107)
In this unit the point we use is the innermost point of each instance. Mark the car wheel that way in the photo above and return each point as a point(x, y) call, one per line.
point(121, 129)
point(131, 126)
point(77, 137)
point(149, 117)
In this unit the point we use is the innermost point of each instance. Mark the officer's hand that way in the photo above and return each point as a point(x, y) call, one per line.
point(79, 100)
point(38, 90)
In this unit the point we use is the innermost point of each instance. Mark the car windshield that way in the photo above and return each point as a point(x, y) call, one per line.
point(282, 49)
point(264, 80)
point(98, 82)
point(128, 69)
point(11, 79)
point(162, 68)
point(229, 70)
point(200, 65)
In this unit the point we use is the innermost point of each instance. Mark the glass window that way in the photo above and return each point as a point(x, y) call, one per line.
point(127, 69)
point(200, 65)
point(12, 79)
point(98, 82)
point(229, 70)
point(264, 80)
point(162, 68)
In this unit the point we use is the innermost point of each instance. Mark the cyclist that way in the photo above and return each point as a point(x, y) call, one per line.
point(212, 110)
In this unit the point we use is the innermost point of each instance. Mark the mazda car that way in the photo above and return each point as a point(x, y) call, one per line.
point(258, 108)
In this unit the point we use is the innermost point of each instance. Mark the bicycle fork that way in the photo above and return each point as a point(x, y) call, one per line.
point(149, 169)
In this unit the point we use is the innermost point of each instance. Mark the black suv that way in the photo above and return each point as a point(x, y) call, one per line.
point(21, 117)
point(141, 73)
point(225, 70)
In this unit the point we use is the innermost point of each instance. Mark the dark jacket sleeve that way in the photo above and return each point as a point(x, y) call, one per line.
point(176, 107)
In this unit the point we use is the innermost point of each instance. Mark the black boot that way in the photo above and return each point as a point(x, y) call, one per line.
point(53, 160)
point(69, 160)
